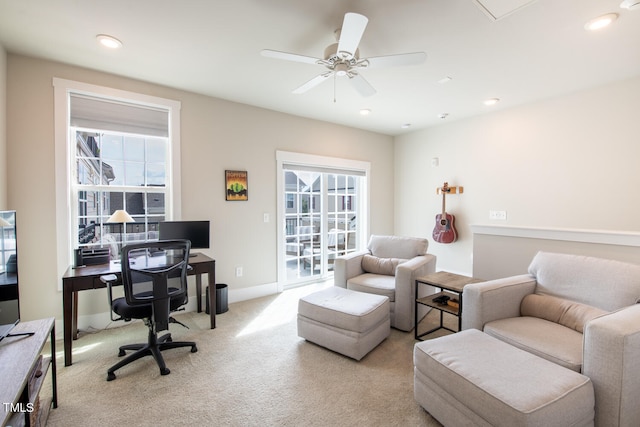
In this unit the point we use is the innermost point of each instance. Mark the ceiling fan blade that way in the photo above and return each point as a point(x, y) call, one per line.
point(313, 82)
point(396, 60)
point(362, 85)
point(289, 56)
point(352, 30)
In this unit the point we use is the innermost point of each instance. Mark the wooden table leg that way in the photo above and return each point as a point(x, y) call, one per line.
point(212, 295)
point(54, 372)
point(67, 323)
point(199, 292)
point(74, 323)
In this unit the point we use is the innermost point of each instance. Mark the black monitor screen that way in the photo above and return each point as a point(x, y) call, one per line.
point(195, 231)
point(9, 305)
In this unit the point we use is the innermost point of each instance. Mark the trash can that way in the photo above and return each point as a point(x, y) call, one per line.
point(222, 298)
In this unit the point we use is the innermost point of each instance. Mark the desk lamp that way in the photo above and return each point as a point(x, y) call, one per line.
point(120, 217)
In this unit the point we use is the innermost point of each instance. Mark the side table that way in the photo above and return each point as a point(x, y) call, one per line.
point(449, 284)
point(20, 362)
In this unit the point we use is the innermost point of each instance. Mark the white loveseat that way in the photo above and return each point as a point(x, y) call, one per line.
point(389, 267)
point(579, 312)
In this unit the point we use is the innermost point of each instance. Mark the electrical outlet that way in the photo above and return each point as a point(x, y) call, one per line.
point(498, 215)
point(238, 271)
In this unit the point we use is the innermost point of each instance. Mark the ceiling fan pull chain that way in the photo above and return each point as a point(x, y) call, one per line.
point(334, 87)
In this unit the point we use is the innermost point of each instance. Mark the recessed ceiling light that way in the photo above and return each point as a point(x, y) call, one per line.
point(109, 41)
point(444, 80)
point(443, 115)
point(365, 112)
point(406, 126)
point(491, 101)
point(600, 21)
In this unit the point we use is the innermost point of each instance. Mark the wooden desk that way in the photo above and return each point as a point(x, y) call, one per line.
point(18, 359)
point(84, 278)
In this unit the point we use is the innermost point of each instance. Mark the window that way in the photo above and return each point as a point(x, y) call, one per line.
point(320, 223)
point(323, 204)
point(7, 243)
point(114, 150)
point(118, 171)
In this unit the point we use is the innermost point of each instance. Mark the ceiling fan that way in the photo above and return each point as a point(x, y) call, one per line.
point(343, 58)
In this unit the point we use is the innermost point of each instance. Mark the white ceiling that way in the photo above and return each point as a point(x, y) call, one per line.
point(213, 47)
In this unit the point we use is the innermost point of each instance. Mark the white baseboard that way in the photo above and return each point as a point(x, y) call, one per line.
point(102, 320)
point(244, 294)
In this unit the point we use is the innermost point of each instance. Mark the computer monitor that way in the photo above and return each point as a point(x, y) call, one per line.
point(195, 231)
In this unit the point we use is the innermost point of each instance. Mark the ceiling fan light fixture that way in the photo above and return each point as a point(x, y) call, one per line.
point(109, 41)
point(600, 22)
point(341, 69)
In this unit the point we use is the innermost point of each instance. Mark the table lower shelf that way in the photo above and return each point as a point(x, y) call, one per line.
point(428, 301)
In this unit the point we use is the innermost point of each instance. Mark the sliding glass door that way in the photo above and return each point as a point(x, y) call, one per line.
point(321, 208)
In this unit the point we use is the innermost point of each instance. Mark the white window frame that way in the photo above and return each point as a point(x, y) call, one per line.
point(62, 89)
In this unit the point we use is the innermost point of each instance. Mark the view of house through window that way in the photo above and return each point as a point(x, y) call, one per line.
point(118, 171)
point(321, 221)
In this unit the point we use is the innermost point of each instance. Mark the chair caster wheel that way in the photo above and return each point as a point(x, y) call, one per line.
point(111, 376)
point(194, 349)
point(165, 371)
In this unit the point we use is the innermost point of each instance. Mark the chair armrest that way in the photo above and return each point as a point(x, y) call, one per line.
point(110, 280)
point(611, 359)
point(406, 275)
point(495, 299)
point(347, 266)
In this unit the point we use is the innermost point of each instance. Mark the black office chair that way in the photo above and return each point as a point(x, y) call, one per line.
point(154, 276)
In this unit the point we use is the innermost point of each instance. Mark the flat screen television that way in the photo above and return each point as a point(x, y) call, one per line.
point(9, 301)
point(195, 231)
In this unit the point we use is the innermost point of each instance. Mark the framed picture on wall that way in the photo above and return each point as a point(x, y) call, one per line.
point(236, 185)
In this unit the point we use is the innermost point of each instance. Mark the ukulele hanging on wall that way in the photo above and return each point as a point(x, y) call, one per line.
point(445, 230)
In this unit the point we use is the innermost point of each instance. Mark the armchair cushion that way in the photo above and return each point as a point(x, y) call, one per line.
point(397, 246)
point(543, 338)
point(604, 283)
point(377, 265)
point(379, 284)
point(559, 310)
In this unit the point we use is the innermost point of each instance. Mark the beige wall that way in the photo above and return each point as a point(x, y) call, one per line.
point(216, 135)
point(3, 129)
point(568, 162)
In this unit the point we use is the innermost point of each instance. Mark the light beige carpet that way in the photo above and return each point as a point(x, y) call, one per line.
point(252, 370)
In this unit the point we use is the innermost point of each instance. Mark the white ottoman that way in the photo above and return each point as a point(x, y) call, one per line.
point(348, 322)
point(471, 378)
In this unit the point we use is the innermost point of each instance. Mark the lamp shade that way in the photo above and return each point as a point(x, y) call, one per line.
point(120, 216)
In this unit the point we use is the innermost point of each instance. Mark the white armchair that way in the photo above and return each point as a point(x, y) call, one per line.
point(388, 267)
point(578, 312)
